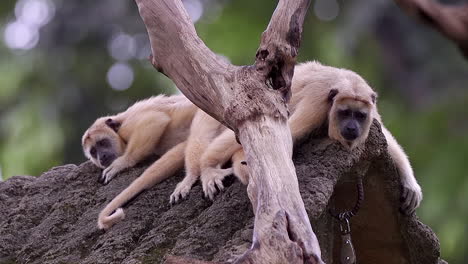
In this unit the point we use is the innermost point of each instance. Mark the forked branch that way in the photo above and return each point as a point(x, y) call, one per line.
point(251, 100)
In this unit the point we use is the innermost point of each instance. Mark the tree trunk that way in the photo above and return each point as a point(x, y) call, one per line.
point(251, 100)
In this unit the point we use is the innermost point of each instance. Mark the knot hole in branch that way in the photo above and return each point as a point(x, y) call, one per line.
point(276, 80)
point(275, 71)
point(262, 54)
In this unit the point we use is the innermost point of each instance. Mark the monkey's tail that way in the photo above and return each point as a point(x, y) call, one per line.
point(160, 170)
point(105, 222)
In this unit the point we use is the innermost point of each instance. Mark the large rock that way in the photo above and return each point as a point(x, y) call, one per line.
point(52, 218)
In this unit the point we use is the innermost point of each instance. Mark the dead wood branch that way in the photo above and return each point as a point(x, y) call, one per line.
point(251, 100)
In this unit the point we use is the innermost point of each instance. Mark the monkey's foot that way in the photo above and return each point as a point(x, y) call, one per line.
point(411, 197)
point(212, 178)
point(117, 166)
point(182, 189)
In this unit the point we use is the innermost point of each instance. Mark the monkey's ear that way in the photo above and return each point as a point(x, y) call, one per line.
point(113, 124)
point(374, 98)
point(332, 94)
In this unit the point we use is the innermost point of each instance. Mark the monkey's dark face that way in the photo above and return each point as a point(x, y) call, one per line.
point(350, 122)
point(102, 145)
point(104, 152)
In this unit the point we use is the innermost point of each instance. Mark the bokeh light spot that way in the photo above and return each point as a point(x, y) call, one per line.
point(194, 9)
point(35, 12)
point(122, 47)
point(326, 10)
point(120, 76)
point(18, 35)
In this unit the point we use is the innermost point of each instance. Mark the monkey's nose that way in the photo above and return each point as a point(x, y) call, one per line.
point(350, 133)
point(106, 159)
point(351, 129)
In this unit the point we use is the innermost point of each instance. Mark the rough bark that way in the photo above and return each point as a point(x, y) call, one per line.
point(450, 20)
point(52, 218)
point(251, 100)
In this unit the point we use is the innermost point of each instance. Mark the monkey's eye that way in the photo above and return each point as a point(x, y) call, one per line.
point(344, 113)
point(360, 116)
point(103, 143)
point(93, 152)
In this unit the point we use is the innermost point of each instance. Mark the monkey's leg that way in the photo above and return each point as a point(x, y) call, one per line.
point(202, 132)
point(147, 132)
point(160, 170)
point(192, 168)
point(217, 154)
point(411, 192)
point(304, 119)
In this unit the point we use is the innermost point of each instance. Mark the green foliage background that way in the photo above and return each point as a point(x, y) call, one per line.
point(50, 94)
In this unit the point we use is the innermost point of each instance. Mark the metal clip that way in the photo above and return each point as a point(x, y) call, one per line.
point(348, 256)
point(344, 225)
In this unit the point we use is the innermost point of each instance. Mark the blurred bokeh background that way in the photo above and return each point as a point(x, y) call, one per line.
point(65, 63)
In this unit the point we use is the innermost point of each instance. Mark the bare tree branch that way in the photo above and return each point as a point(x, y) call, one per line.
point(451, 21)
point(251, 100)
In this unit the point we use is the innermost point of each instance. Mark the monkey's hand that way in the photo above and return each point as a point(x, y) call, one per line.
point(117, 166)
point(411, 195)
point(212, 178)
point(182, 189)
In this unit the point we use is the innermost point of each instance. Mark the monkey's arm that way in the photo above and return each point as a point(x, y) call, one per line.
point(411, 193)
point(203, 131)
point(307, 117)
point(146, 133)
point(192, 170)
point(220, 150)
point(195, 148)
point(160, 170)
point(218, 153)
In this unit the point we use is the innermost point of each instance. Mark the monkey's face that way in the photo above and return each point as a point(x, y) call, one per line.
point(101, 142)
point(350, 122)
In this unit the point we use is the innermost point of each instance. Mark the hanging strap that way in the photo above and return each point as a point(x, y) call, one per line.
point(348, 255)
point(360, 199)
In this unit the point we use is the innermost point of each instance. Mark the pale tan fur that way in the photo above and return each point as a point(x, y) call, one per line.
point(158, 125)
point(311, 108)
point(211, 145)
point(160, 170)
point(203, 131)
point(158, 121)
